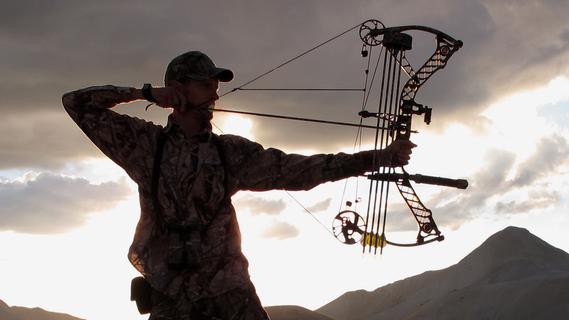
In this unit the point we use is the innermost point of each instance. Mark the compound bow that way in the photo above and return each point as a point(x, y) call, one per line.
point(395, 111)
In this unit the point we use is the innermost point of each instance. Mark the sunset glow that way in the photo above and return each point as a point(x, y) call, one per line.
point(68, 213)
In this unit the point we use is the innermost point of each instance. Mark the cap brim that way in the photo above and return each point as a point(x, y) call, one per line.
point(223, 75)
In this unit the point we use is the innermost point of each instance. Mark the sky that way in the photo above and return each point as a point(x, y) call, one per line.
point(67, 214)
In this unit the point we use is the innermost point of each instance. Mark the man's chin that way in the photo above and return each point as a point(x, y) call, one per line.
point(206, 120)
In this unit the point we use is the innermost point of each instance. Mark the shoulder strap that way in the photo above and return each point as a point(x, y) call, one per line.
point(156, 175)
point(217, 143)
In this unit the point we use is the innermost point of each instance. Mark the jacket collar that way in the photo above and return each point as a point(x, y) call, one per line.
point(174, 129)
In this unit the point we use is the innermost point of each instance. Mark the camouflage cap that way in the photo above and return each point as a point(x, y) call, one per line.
point(195, 65)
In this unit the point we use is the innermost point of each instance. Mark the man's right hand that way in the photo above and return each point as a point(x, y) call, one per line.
point(172, 96)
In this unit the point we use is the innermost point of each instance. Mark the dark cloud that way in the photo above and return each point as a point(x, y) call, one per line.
point(497, 59)
point(43, 140)
point(281, 230)
point(258, 205)
point(64, 45)
point(49, 140)
point(51, 203)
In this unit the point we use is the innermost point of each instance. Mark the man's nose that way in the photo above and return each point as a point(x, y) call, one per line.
point(215, 96)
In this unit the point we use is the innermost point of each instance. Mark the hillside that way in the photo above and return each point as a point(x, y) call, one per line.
point(22, 313)
point(293, 313)
point(512, 275)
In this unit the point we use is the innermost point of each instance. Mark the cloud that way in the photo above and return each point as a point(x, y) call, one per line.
point(43, 140)
point(47, 203)
point(551, 152)
point(320, 206)
point(453, 207)
point(281, 230)
point(492, 183)
point(71, 44)
point(535, 200)
point(257, 205)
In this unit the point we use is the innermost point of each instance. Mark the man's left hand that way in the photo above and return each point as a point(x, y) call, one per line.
point(397, 154)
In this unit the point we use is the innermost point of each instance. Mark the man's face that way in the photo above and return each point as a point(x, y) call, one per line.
point(201, 96)
point(202, 93)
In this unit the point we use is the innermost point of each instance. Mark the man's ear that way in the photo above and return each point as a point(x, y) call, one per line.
point(180, 90)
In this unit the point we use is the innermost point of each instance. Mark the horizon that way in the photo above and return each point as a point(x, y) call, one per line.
point(500, 119)
point(511, 232)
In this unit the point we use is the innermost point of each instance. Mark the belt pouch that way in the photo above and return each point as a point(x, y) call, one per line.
point(141, 292)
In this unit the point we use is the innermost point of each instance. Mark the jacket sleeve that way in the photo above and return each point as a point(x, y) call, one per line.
point(127, 141)
point(252, 167)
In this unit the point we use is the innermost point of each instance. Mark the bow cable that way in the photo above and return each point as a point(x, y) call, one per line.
point(389, 139)
point(374, 158)
point(383, 190)
point(358, 139)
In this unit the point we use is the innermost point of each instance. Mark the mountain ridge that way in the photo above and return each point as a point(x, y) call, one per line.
point(512, 275)
point(509, 258)
point(291, 312)
point(23, 313)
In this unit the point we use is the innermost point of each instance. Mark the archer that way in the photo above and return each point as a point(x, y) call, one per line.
point(187, 242)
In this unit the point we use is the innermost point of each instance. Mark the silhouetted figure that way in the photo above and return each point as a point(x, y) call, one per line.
point(187, 243)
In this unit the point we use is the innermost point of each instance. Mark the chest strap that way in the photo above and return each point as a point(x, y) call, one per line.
point(156, 173)
point(155, 176)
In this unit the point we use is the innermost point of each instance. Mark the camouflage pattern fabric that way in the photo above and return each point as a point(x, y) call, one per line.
point(237, 304)
point(195, 186)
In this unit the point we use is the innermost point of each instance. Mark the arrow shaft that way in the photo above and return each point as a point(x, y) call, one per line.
point(339, 123)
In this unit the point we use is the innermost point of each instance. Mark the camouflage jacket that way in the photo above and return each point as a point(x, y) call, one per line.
point(196, 182)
